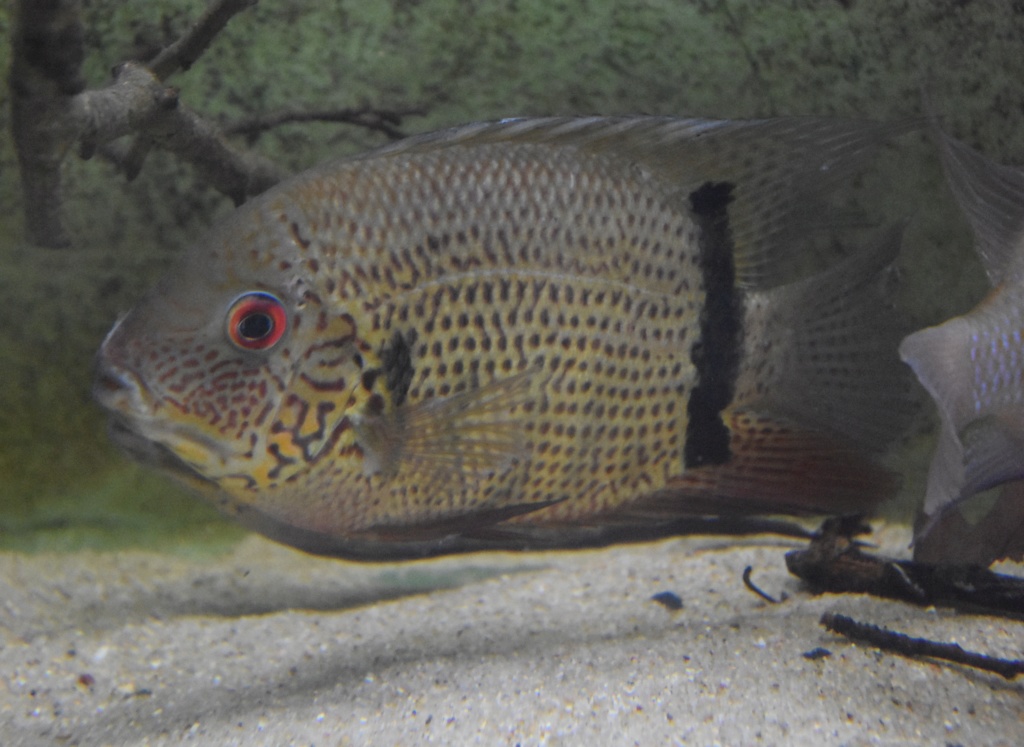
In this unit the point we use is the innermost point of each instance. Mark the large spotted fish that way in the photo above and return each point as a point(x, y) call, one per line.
point(973, 366)
point(530, 333)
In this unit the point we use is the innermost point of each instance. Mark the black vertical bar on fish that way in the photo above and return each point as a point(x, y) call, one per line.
point(716, 353)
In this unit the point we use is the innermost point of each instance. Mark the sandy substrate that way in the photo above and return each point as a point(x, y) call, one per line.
point(265, 646)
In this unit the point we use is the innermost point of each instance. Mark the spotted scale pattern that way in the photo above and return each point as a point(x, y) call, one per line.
point(500, 263)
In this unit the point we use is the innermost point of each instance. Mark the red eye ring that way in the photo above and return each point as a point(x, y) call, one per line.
point(256, 321)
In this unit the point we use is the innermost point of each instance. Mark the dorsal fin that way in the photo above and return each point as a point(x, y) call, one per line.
point(941, 359)
point(776, 168)
point(992, 198)
point(833, 339)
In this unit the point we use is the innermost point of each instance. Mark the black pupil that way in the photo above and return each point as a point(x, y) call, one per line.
point(256, 326)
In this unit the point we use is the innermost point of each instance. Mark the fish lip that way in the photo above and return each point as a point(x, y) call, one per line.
point(123, 433)
point(139, 436)
point(116, 391)
point(134, 427)
point(126, 435)
point(119, 389)
point(137, 445)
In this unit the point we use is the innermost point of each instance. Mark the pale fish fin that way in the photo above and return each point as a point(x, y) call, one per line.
point(476, 522)
point(472, 432)
point(946, 473)
point(822, 351)
point(982, 455)
point(442, 536)
point(940, 358)
point(778, 466)
point(765, 172)
point(992, 197)
point(993, 453)
point(998, 535)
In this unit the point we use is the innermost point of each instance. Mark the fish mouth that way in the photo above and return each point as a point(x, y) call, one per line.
point(119, 391)
point(145, 450)
point(141, 448)
point(135, 427)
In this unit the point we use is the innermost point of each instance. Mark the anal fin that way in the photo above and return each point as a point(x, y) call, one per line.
point(777, 467)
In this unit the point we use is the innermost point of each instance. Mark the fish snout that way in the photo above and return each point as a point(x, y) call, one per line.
point(117, 389)
point(115, 386)
point(111, 386)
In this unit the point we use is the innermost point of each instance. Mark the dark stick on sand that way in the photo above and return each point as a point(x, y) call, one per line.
point(905, 645)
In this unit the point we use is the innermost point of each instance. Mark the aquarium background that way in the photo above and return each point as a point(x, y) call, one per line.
point(63, 486)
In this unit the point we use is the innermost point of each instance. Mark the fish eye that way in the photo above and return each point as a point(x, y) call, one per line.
point(256, 321)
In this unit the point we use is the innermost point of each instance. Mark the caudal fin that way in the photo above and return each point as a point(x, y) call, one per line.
point(992, 197)
point(822, 351)
point(820, 390)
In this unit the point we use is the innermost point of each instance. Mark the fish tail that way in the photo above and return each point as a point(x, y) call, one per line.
point(830, 343)
point(819, 390)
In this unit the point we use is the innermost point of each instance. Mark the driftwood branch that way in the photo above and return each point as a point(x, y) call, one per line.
point(905, 645)
point(835, 562)
point(387, 122)
point(48, 48)
point(53, 115)
point(138, 102)
point(185, 51)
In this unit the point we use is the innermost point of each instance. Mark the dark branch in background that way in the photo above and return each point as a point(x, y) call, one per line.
point(835, 562)
point(185, 51)
point(372, 119)
point(148, 107)
point(902, 644)
point(52, 114)
point(47, 49)
point(179, 56)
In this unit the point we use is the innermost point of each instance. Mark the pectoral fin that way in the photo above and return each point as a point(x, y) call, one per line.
point(940, 358)
point(472, 432)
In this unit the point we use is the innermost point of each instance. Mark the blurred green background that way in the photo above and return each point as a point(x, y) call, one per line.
point(63, 486)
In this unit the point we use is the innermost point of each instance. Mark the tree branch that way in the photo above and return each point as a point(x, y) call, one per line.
point(379, 120)
point(138, 102)
point(905, 645)
point(835, 562)
point(185, 51)
point(125, 106)
point(51, 113)
point(47, 46)
point(236, 173)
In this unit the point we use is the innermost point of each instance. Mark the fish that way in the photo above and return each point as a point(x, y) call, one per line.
point(525, 334)
point(973, 367)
